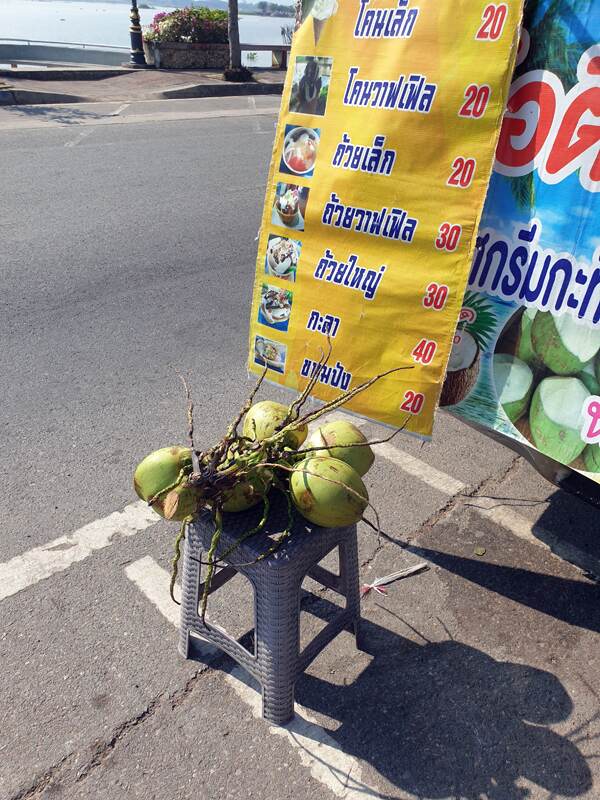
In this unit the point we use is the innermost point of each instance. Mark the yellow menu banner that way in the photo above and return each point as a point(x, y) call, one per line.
point(382, 157)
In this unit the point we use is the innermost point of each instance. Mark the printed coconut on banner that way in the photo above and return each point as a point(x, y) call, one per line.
point(526, 358)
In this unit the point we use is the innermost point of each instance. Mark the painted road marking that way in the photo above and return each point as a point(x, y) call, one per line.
point(318, 751)
point(41, 562)
point(419, 469)
point(118, 110)
point(150, 579)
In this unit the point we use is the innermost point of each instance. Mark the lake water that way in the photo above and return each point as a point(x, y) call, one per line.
point(105, 23)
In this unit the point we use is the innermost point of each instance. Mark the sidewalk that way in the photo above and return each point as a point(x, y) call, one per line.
point(63, 85)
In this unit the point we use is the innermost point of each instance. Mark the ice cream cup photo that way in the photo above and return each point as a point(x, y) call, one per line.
point(290, 203)
point(321, 11)
point(282, 257)
point(300, 148)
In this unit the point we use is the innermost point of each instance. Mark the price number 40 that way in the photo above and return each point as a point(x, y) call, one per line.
point(424, 351)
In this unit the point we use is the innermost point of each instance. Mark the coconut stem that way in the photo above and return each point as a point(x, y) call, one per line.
point(176, 558)
point(295, 407)
point(330, 480)
point(210, 557)
point(326, 446)
point(167, 489)
point(190, 411)
point(280, 539)
point(257, 529)
point(346, 396)
point(232, 430)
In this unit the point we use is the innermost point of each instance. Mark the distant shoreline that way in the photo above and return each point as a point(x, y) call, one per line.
point(150, 7)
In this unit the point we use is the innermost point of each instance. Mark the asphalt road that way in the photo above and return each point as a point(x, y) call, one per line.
point(128, 255)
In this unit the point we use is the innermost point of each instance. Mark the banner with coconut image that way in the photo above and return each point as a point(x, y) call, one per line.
point(382, 157)
point(526, 358)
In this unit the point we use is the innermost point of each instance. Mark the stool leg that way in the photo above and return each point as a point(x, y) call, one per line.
point(190, 588)
point(277, 631)
point(348, 550)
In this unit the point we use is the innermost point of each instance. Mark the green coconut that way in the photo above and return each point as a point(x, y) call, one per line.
point(591, 458)
point(524, 349)
point(263, 420)
point(339, 433)
point(323, 502)
point(555, 417)
point(248, 492)
point(514, 383)
point(160, 470)
point(589, 376)
point(564, 344)
point(179, 504)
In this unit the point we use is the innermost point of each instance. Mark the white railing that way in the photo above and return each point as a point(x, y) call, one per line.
point(82, 45)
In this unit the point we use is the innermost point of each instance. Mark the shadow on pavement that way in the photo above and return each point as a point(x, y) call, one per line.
point(71, 116)
point(574, 602)
point(444, 719)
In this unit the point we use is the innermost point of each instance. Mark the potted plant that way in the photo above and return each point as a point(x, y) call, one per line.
point(188, 38)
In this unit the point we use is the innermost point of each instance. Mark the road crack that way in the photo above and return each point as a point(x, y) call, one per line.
point(43, 781)
point(103, 750)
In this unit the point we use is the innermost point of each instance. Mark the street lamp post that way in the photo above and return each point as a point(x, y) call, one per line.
point(137, 58)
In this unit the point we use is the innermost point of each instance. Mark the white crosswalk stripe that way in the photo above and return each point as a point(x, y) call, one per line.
point(318, 751)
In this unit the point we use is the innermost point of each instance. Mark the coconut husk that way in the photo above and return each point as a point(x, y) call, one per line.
point(460, 383)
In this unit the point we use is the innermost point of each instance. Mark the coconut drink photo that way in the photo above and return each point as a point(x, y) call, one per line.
point(545, 368)
point(475, 328)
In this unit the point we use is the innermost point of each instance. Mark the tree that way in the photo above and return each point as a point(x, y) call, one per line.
point(233, 29)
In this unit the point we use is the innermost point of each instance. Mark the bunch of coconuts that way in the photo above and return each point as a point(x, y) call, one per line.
point(323, 480)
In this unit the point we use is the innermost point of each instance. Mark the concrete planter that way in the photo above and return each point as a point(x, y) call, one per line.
point(183, 55)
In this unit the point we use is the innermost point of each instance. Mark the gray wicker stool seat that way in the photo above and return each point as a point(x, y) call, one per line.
point(277, 661)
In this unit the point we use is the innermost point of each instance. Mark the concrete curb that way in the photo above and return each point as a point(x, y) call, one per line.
point(220, 90)
point(65, 73)
point(25, 97)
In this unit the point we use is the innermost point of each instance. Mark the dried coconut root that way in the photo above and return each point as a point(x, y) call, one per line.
point(214, 473)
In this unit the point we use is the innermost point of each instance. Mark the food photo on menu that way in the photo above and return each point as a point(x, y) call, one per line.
point(320, 11)
point(300, 147)
point(289, 208)
point(310, 85)
point(268, 353)
point(282, 257)
point(275, 307)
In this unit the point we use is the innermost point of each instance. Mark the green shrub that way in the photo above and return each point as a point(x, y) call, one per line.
point(196, 25)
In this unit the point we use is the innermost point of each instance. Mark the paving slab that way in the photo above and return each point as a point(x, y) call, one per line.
point(475, 679)
point(131, 85)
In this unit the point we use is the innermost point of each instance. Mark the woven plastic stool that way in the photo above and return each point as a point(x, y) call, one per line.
point(277, 661)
